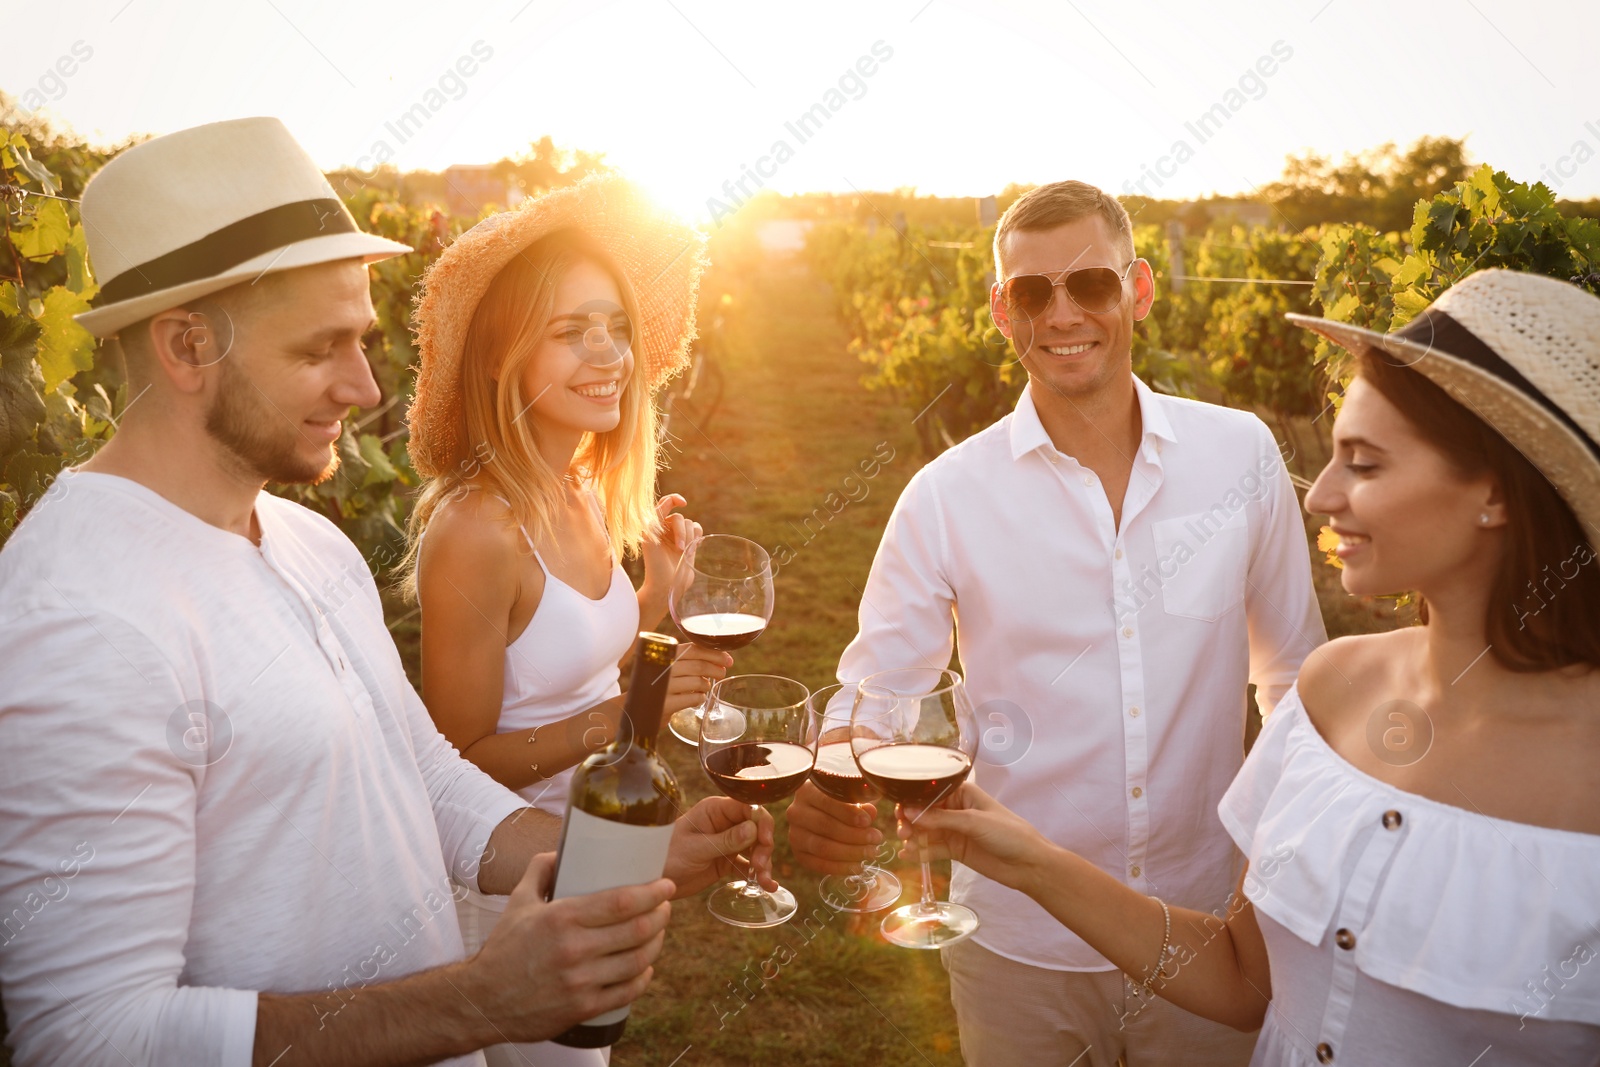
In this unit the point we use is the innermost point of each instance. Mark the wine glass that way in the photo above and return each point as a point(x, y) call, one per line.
point(836, 774)
point(914, 736)
point(721, 598)
point(757, 746)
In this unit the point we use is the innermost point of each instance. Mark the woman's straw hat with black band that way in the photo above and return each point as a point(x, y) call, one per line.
point(197, 211)
point(1522, 351)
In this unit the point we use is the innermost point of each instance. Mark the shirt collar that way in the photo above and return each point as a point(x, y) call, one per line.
point(1028, 433)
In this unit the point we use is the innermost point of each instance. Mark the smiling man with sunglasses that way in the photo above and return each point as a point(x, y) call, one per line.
point(1117, 566)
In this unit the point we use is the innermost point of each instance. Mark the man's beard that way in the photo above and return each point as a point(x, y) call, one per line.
point(259, 436)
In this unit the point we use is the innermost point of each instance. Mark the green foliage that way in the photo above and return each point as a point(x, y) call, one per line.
point(1376, 188)
point(918, 311)
point(1486, 220)
point(54, 409)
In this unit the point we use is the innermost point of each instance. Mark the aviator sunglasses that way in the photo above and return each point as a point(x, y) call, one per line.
point(1096, 290)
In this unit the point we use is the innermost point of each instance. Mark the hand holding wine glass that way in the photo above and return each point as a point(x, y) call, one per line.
point(976, 830)
point(868, 888)
point(756, 746)
point(722, 598)
point(914, 736)
point(716, 840)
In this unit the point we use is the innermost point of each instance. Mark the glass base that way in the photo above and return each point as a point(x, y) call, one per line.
point(685, 725)
point(872, 890)
point(929, 925)
point(743, 904)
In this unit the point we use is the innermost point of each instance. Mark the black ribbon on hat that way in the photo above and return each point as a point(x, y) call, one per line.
point(236, 243)
point(1438, 331)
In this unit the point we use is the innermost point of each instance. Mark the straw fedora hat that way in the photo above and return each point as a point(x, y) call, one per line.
point(661, 257)
point(1522, 351)
point(186, 215)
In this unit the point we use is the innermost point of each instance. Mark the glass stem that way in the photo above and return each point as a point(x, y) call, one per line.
point(751, 886)
point(928, 905)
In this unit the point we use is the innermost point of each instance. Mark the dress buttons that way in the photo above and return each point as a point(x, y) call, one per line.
point(1344, 939)
point(1127, 631)
point(1134, 711)
point(1137, 792)
point(1392, 820)
point(1136, 871)
point(1088, 479)
point(1324, 1053)
point(1119, 553)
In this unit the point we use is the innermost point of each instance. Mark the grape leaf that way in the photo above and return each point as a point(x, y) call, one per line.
point(47, 235)
point(21, 405)
point(379, 467)
point(65, 348)
point(79, 277)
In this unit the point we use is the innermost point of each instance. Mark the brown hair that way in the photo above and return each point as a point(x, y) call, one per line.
point(1057, 204)
point(503, 338)
point(1544, 605)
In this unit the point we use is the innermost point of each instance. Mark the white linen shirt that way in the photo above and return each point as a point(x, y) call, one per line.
point(215, 780)
point(1108, 666)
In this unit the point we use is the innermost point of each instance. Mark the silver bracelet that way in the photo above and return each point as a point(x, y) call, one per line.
point(1166, 941)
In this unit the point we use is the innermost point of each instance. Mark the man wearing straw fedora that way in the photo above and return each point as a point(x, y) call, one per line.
point(228, 827)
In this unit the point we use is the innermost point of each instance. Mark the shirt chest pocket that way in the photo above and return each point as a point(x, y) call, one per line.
point(1202, 564)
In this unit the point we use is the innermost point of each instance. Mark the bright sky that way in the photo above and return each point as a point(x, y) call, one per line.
point(962, 97)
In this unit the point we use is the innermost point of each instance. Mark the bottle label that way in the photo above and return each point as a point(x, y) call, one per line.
point(598, 854)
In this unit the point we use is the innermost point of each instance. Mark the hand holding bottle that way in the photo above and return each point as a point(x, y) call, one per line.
point(550, 964)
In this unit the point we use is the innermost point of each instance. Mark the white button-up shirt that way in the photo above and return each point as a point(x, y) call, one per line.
point(215, 780)
point(1108, 666)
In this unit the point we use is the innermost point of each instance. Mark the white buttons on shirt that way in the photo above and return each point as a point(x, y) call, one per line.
point(1127, 631)
point(1118, 553)
point(1088, 479)
point(1134, 711)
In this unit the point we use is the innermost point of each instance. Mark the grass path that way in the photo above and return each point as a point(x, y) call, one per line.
point(793, 426)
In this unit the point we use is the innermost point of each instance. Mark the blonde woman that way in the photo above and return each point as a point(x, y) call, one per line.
point(542, 334)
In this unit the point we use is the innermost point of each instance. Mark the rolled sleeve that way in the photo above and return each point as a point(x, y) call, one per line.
point(97, 854)
point(1284, 619)
point(467, 803)
point(907, 614)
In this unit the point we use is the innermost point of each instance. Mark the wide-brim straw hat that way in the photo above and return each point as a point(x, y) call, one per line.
point(661, 257)
point(195, 212)
point(1520, 350)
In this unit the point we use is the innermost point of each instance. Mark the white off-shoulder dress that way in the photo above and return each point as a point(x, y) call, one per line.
point(1402, 930)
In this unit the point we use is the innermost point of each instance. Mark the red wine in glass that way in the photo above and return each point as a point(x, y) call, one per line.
point(721, 598)
point(871, 888)
point(759, 772)
point(914, 735)
point(723, 631)
point(913, 774)
point(756, 746)
point(837, 775)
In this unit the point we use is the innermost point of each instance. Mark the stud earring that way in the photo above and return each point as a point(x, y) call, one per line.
point(1484, 518)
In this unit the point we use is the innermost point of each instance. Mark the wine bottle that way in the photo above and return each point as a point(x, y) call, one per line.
point(620, 812)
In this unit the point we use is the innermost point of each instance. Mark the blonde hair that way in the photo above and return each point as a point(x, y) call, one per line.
point(1057, 204)
point(507, 329)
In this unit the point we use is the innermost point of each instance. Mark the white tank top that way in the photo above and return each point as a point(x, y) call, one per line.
point(565, 662)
